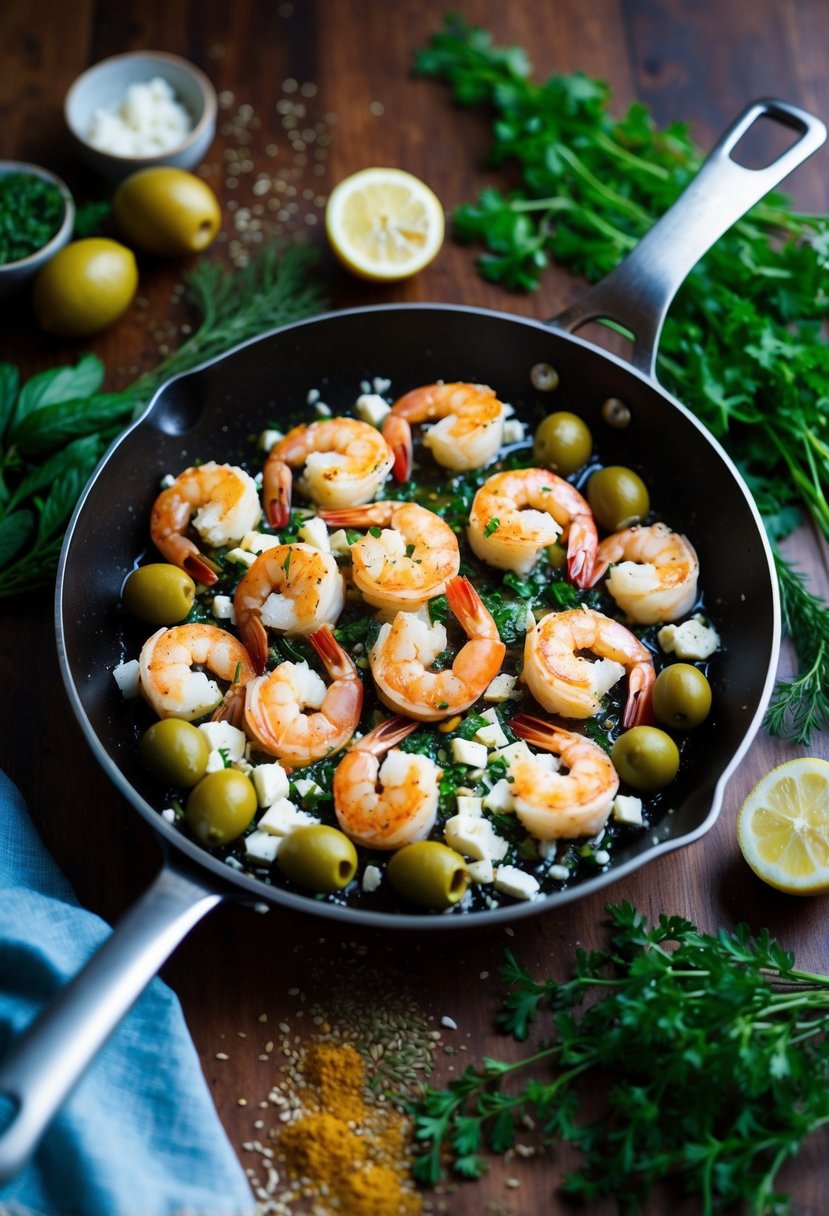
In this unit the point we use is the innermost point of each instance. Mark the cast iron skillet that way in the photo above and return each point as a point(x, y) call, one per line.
point(211, 412)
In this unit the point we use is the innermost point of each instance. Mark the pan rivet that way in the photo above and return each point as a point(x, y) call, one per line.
point(544, 377)
point(615, 413)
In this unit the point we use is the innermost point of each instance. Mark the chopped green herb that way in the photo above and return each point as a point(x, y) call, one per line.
point(493, 526)
point(375, 532)
point(31, 212)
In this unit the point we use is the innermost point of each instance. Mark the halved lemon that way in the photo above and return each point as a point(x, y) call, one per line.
point(783, 827)
point(384, 224)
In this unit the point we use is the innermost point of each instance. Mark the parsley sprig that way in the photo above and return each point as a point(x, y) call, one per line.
point(711, 1053)
point(742, 345)
point(56, 426)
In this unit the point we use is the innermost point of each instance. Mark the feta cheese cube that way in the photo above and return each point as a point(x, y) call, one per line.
point(475, 837)
point(258, 542)
point(338, 543)
point(513, 431)
point(491, 735)
point(282, 817)
point(372, 877)
point(242, 557)
point(693, 639)
point(468, 805)
point(516, 883)
point(315, 533)
point(270, 782)
point(372, 408)
point(126, 676)
point(268, 438)
point(306, 788)
point(222, 608)
point(215, 762)
point(467, 751)
point(512, 752)
point(223, 735)
point(261, 847)
point(627, 809)
point(500, 798)
point(559, 873)
point(481, 872)
point(500, 689)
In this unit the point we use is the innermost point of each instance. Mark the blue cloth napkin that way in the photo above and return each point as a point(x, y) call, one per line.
point(139, 1135)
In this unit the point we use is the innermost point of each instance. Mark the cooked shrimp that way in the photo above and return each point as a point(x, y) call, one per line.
point(552, 804)
point(346, 461)
point(566, 682)
point(166, 661)
point(654, 572)
point(468, 430)
point(222, 502)
point(294, 588)
point(518, 513)
point(404, 650)
point(389, 805)
point(275, 705)
point(409, 562)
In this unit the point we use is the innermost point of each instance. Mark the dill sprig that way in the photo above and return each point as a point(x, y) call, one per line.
point(801, 705)
point(710, 1053)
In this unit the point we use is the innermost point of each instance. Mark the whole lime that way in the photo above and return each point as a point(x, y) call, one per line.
point(85, 287)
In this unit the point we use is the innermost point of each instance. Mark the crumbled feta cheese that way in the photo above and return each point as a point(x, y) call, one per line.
point(261, 847)
point(169, 814)
point(166, 481)
point(513, 751)
point(513, 431)
point(516, 883)
point(216, 761)
point(372, 408)
point(559, 873)
point(500, 689)
point(475, 837)
point(481, 872)
point(372, 877)
point(627, 809)
point(338, 543)
point(126, 676)
point(467, 804)
point(268, 438)
point(322, 409)
point(223, 735)
point(282, 817)
point(149, 120)
point(602, 857)
point(258, 542)
point(693, 639)
point(467, 751)
point(222, 608)
point(241, 556)
point(270, 782)
point(306, 788)
point(315, 533)
point(491, 735)
point(499, 798)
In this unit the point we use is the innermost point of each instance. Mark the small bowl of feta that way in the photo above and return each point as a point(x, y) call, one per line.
point(141, 109)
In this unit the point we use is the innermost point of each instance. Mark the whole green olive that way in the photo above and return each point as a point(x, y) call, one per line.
point(562, 442)
point(159, 593)
point(645, 758)
point(681, 696)
point(318, 857)
point(429, 873)
point(618, 497)
point(221, 806)
point(175, 751)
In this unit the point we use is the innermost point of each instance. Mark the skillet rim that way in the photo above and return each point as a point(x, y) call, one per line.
point(260, 893)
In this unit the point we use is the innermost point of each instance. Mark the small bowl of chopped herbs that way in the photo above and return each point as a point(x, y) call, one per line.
point(37, 214)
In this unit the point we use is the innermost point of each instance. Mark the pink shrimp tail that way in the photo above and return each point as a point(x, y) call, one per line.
point(255, 639)
point(277, 481)
point(331, 654)
point(581, 551)
point(398, 435)
point(539, 732)
point(199, 569)
point(386, 735)
point(638, 707)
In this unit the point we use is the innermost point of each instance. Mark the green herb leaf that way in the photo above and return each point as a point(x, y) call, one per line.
point(57, 385)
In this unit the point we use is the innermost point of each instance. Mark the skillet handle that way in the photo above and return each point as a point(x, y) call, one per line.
point(638, 292)
point(55, 1051)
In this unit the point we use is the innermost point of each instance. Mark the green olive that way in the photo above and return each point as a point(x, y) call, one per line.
point(159, 593)
point(221, 806)
point(562, 442)
point(175, 751)
point(429, 873)
point(681, 696)
point(318, 857)
point(645, 758)
point(618, 497)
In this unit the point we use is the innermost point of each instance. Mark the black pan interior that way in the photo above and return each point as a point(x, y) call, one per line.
point(211, 414)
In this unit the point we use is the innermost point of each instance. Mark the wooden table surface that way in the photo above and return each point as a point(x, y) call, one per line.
point(349, 65)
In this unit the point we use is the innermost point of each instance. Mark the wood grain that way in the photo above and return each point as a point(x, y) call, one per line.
point(237, 965)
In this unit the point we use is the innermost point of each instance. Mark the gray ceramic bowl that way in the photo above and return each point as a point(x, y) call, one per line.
point(15, 275)
point(104, 87)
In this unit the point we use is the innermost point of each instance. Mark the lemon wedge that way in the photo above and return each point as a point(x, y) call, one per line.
point(384, 224)
point(783, 827)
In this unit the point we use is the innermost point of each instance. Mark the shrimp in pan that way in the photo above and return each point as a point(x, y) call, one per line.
point(294, 588)
point(384, 806)
point(468, 430)
point(566, 682)
point(291, 714)
point(552, 804)
point(405, 649)
point(166, 663)
point(345, 463)
point(220, 500)
point(517, 513)
point(653, 574)
point(409, 562)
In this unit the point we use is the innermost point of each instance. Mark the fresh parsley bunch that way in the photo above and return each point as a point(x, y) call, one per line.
point(742, 344)
point(711, 1054)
